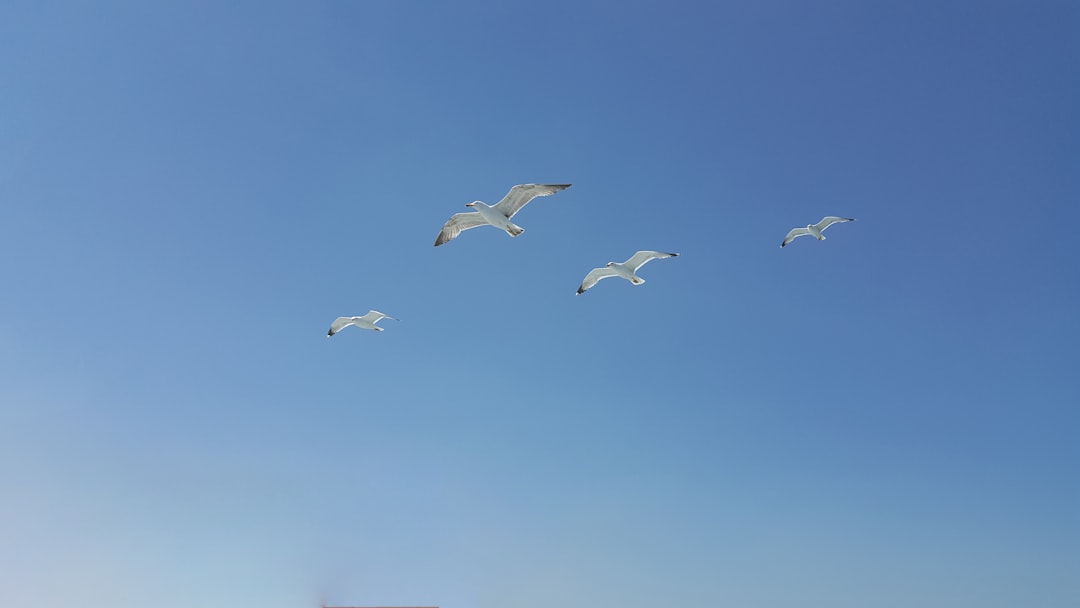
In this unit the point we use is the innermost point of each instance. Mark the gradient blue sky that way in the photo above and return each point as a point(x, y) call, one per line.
point(190, 193)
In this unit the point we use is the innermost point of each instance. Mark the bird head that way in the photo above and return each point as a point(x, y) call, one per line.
point(472, 204)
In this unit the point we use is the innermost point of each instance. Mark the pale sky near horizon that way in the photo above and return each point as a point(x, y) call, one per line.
point(191, 192)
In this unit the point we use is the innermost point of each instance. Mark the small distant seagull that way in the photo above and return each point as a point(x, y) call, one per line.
point(626, 270)
point(365, 322)
point(497, 215)
point(815, 230)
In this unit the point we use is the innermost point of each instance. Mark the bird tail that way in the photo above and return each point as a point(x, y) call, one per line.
point(514, 230)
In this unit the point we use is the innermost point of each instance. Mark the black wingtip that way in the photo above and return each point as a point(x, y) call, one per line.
point(329, 333)
point(579, 291)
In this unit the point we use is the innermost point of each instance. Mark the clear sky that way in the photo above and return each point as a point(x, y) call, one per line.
point(191, 192)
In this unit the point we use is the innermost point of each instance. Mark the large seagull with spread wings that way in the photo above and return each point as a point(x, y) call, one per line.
point(367, 321)
point(815, 230)
point(627, 270)
point(497, 215)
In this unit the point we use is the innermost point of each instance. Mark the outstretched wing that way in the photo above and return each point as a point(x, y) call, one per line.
point(339, 324)
point(595, 276)
point(523, 193)
point(374, 315)
point(794, 234)
point(456, 224)
point(641, 258)
point(832, 219)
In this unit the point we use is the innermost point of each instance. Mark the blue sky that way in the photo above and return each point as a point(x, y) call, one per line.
point(190, 193)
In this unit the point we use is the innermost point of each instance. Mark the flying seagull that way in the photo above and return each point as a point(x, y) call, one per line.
point(367, 321)
point(626, 270)
point(497, 215)
point(815, 229)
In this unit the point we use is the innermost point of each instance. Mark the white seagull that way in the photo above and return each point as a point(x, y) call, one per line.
point(626, 270)
point(815, 230)
point(367, 321)
point(499, 214)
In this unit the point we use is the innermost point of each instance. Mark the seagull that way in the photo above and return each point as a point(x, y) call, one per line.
point(626, 270)
point(497, 215)
point(815, 229)
point(367, 321)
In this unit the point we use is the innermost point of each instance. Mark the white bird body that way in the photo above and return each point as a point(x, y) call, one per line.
point(367, 321)
point(497, 215)
point(815, 230)
point(627, 270)
point(492, 216)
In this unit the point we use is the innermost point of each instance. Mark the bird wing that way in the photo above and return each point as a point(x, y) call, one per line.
point(832, 219)
point(794, 234)
point(456, 224)
point(374, 316)
point(339, 324)
point(595, 276)
point(641, 258)
point(523, 193)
